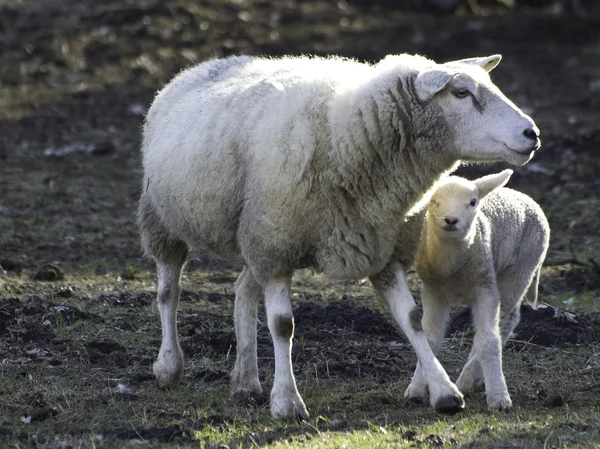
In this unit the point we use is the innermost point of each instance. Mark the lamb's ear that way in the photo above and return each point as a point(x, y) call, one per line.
point(431, 81)
point(487, 64)
point(489, 183)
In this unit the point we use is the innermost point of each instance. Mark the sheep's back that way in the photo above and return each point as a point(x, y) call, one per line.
point(230, 151)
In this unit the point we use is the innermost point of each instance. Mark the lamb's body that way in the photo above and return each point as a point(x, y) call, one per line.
point(511, 237)
point(492, 265)
point(296, 162)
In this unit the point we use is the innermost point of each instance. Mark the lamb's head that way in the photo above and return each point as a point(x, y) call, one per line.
point(453, 207)
point(486, 125)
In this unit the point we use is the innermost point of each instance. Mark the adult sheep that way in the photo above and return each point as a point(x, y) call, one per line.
point(307, 162)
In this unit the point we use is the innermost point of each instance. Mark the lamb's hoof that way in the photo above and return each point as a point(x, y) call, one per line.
point(416, 394)
point(288, 407)
point(450, 405)
point(415, 400)
point(502, 403)
point(247, 398)
point(469, 386)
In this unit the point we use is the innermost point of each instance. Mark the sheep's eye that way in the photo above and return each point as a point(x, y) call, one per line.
point(461, 93)
point(473, 202)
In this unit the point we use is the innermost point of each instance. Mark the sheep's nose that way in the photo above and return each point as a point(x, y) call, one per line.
point(451, 220)
point(531, 133)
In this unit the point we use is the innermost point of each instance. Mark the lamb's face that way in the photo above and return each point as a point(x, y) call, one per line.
point(487, 126)
point(453, 208)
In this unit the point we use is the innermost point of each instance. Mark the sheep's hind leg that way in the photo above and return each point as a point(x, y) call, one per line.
point(436, 312)
point(170, 254)
point(245, 385)
point(391, 284)
point(168, 366)
point(286, 402)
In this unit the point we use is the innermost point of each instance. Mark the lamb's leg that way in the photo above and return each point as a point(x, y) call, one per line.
point(244, 377)
point(436, 312)
point(487, 350)
point(170, 254)
point(531, 296)
point(391, 284)
point(471, 375)
point(285, 400)
point(509, 319)
point(512, 285)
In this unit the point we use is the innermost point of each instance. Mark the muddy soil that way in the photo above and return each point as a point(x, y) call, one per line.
point(75, 81)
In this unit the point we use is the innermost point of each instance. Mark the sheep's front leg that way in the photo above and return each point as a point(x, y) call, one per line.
point(391, 284)
point(436, 312)
point(245, 384)
point(487, 351)
point(286, 402)
point(169, 364)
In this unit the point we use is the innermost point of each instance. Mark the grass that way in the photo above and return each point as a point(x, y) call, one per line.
point(582, 303)
point(90, 384)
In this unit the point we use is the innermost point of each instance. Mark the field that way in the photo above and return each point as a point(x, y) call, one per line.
point(79, 328)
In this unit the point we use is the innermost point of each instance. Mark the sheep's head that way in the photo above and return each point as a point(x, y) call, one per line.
point(454, 205)
point(487, 126)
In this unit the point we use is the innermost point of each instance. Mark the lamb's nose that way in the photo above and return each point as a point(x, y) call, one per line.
point(451, 220)
point(531, 133)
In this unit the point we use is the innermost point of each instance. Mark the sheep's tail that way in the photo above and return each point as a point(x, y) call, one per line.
point(531, 296)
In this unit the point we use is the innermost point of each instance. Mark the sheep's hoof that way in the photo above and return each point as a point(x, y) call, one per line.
point(247, 398)
point(450, 405)
point(167, 375)
point(168, 382)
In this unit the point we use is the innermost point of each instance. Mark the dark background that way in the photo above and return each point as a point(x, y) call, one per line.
point(77, 76)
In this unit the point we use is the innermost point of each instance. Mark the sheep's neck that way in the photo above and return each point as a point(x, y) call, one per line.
point(403, 153)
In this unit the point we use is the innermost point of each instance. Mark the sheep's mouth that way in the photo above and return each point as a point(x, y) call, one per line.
point(527, 151)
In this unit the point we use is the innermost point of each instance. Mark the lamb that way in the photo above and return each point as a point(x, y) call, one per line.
point(484, 245)
point(297, 162)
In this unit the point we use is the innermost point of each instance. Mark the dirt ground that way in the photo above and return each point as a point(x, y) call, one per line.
point(78, 329)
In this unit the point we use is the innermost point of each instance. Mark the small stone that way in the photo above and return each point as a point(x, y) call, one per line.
point(66, 292)
point(48, 273)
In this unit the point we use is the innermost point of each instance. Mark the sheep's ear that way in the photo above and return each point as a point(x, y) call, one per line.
point(487, 64)
point(489, 183)
point(432, 81)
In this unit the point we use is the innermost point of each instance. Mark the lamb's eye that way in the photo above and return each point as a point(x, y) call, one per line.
point(461, 93)
point(473, 202)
